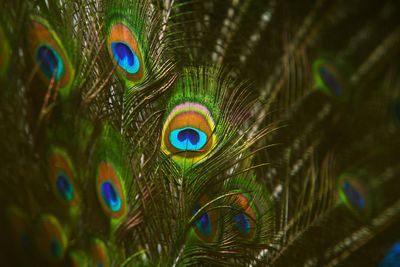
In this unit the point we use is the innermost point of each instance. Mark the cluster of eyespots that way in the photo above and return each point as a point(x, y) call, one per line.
point(328, 78)
point(188, 132)
point(49, 54)
point(98, 253)
point(62, 178)
point(19, 228)
point(244, 216)
point(205, 224)
point(51, 239)
point(353, 193)
point(125, 53)
point(110, 191)
point(392, 257)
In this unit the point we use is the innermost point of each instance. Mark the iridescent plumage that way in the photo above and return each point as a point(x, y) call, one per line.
point(199, 133)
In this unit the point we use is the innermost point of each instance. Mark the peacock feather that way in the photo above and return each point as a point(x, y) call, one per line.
point(199, 133)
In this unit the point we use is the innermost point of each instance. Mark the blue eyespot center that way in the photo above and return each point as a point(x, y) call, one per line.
point(392, 257)
point(188, 139)
point(64, 187)
point(203, 223)
point(110, 196)
point(330, 80)
point(99, 264)
point(353, 195)
point(125, 57)
point(55, 247)
point(242, 223)
point(50, 62)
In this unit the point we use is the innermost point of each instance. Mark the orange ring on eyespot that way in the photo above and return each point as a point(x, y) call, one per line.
point(195, 123)
point(60, 168)
point(40, 35)
point(51, 238)
point(107, 179)
point(98, 253)
point(119, 33)
point(186, 120)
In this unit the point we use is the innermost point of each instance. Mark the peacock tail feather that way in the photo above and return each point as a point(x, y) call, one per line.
point(199, 133)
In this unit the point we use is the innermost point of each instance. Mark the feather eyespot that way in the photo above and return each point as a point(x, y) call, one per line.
point(49, 54)
point(205, 224)
point(353, 194)
point(328, 78)
point(188, 132)
point(327, 75)
point(244, 216)
point(125, 53)
point(109, 191)
point(62, 178)
point(51, 239)
point(98, 253)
